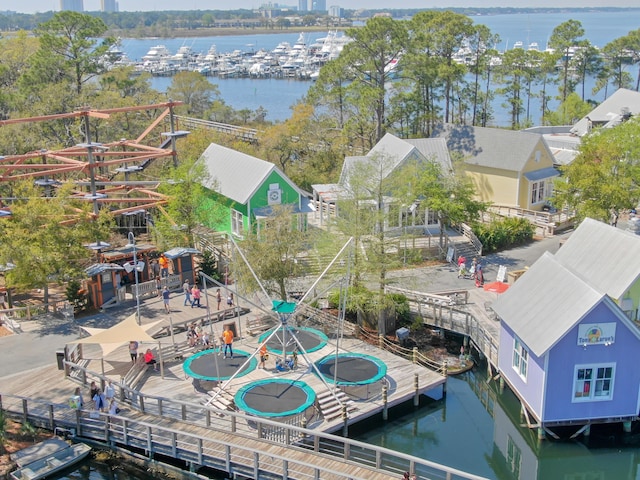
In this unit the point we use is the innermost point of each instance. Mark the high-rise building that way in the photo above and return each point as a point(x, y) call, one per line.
point(319, 5)
point(302, 6)
point(109, 5)
point(72, 5)
point(335, 11)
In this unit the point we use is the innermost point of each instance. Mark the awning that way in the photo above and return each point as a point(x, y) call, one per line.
point(120, 334)
point(537, 175)
point(98, 268)
point(180, 252)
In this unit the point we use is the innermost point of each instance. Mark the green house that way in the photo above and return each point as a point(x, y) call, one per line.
point(247, 189)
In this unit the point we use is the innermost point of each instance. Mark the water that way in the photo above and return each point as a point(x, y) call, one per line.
point(278, 96)
point(477, 430)
point(97, 470)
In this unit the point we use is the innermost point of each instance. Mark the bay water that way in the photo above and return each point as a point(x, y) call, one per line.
point(277, 96)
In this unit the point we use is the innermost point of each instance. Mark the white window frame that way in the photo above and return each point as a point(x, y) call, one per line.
point(537, 192)
point(590, 381)
point(237, 223)
point(520, 359)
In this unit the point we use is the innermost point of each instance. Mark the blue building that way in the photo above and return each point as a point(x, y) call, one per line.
point(567, 332)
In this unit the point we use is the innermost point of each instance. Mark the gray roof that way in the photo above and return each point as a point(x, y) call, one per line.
point(609, 111)
point(607, 257)
point(234, 174)
point(545, 303)
point(395, 151)
point(434, 150)
point(181, 252)
point(99, 268)
point(491, 147)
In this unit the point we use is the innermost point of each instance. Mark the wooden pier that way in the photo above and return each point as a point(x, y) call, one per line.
point(165, 416)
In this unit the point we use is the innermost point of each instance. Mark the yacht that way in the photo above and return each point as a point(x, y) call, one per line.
point(156, 54)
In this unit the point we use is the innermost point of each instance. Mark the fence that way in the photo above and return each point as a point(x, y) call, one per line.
point(235, 443)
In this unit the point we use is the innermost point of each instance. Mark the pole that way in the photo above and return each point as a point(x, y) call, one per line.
point(132, 242)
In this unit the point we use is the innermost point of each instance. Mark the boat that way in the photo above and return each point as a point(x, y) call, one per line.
point(46, 458)
point(157, 53)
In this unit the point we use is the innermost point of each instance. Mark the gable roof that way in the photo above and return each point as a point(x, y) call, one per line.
point(545, 303)
point(237, 175)
point(395, 151)
point(607, 257)
point(434, 150)
point(609, 111)
point(491, 147)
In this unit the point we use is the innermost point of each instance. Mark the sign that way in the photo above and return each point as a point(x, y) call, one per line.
point(450, 254)
point(502, 273)
point(596, 334)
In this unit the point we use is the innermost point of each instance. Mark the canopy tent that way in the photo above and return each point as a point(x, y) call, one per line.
point(111, 338)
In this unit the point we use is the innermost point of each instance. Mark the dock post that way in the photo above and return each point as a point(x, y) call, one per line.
point(345, 426)
point(416, 386)
point(415, 354)
point(385, 407)
point(501, 383)
point(541, 433)
point(381, 341)
point(303, 424)
point(626, 426)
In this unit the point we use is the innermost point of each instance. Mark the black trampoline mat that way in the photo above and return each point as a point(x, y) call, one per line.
point(271, 397)
point(350, 369)
point(205, 365)
point(307, 338)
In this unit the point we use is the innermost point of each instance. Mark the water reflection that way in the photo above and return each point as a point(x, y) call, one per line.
point(478, 430)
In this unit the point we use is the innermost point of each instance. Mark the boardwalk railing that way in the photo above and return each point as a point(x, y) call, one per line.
point(250, 134)
point(549, 222)
point(411, 354)
point(28, 312)
point(238, 447)
point(445, 314)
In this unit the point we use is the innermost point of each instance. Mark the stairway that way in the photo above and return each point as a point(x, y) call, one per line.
point(330, 407)
point(223, 401)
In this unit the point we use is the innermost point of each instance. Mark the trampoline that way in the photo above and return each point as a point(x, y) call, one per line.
point(353, 369)
point(310, 339)
point(275, 398)
point(208, 365)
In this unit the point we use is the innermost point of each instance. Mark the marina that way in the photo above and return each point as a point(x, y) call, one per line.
point(299, 60)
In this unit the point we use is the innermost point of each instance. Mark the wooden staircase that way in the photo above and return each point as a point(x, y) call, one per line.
point(223, 400)
point(330, 407)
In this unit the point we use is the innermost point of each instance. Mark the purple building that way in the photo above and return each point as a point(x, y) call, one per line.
point(568, 337)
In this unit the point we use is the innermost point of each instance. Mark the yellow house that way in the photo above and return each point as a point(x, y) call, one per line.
point(507, 167)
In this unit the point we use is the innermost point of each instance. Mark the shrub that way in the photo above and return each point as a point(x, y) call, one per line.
point(504, 233)
point(76, 295)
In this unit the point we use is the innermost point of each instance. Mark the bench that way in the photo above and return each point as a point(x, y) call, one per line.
point(259, 324)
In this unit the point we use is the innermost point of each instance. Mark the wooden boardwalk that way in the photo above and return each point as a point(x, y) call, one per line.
point(166, 416)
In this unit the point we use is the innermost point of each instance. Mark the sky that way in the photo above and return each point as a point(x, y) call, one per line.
point(32, 6)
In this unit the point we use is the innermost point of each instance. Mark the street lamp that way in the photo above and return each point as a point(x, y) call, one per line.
point(132, 244)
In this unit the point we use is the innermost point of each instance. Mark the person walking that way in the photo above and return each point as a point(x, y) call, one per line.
point(186, 288)
point(230, 300)
point(218, 298)
point(165, 298)
point(196, 294)
point(227, 339)
point(133, 350)
point(109, 392)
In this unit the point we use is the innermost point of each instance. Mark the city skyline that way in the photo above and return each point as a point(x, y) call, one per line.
point(33, 6)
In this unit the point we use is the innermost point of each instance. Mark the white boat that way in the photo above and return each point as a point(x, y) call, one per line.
point(534, 47)
point(518, 44)
point(157, 53)
point(47, 458)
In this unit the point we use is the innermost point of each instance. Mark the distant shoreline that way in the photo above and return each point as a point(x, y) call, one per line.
point(220, 32)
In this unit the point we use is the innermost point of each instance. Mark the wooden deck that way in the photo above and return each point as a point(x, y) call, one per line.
point(167, 416)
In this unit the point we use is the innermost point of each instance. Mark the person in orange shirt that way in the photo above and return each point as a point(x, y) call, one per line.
point(263, 356)
point(227, 339)
point(164, 265)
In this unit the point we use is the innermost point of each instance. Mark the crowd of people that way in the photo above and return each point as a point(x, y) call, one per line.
point(473, 272)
